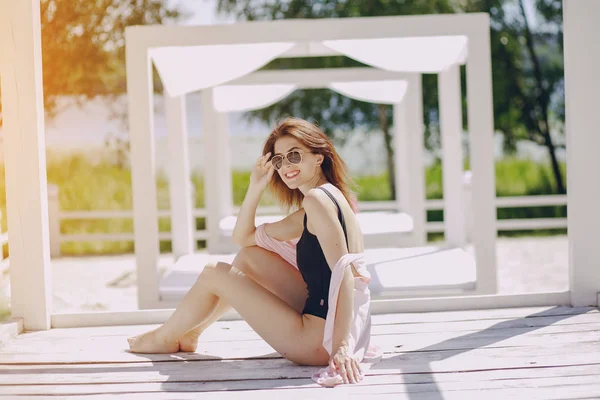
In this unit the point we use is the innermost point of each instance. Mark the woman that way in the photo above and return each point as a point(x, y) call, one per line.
point(306, 271)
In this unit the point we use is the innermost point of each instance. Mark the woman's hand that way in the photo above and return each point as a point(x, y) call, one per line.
point(345, 365)
point(262, 172)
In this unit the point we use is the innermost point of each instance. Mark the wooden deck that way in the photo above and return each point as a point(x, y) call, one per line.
point(524, 353)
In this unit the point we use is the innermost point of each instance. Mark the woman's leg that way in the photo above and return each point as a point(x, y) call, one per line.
point(270, 271)
point(295, 336)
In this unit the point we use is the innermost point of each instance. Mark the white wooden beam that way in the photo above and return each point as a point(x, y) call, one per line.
point(309, 49)
point(180, 187)
point(223, 166)
point(582, 63)
point(414, 109)
point(310, 30)
point(402, 150)
point(481, 139)
point(143, 173)
point(217, 170)
point(25, 162)
point(452, 155)
point(318, 78)
point(378, 306)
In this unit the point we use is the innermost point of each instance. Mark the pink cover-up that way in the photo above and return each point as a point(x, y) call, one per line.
point(360, 331)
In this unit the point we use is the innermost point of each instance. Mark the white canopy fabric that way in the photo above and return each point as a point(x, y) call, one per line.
point(186, 69)
point(233, 98)
point(379, 92)
point(238, 98)
point(415, 54)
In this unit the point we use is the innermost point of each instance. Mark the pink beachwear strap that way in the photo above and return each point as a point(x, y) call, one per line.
point(285, 249)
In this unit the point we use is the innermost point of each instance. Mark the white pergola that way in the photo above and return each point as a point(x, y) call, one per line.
point(186, 65)
point(264, 88)
point(20, 70)
point(441, 55)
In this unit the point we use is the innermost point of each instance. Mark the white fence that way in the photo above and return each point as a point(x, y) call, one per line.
point(56, 216)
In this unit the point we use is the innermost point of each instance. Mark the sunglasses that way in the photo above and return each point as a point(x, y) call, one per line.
point(294, 157)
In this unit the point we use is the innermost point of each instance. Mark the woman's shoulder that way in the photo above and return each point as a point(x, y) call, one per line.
point(317, 200)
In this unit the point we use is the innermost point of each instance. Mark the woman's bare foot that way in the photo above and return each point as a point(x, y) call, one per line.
point(152, 342)
point(189, 342)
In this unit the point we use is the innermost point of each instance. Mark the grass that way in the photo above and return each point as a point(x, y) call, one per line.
point(84, 185)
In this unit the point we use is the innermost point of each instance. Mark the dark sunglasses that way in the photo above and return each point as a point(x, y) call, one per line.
point(294, 157)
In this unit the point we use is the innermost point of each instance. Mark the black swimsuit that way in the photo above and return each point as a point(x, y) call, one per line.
point(314, 268)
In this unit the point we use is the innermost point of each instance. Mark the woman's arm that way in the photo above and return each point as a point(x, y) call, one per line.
point(243, 233)
point(323, 221)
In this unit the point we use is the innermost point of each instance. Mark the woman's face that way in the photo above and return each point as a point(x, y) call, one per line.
point(297, 165)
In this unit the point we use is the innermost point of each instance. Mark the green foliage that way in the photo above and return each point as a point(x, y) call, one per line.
point(83, 44)
point(84, 185)
point(527, 67)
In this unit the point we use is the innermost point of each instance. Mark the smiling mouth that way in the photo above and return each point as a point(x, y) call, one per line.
point(292, 174)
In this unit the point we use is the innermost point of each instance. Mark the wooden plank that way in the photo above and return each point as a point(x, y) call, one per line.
point(112, 349)
point(532, 323)
point(419, 317)
point(497, 379)
point(590, 391)
point(425, 322)
point(239, 330)
point(413, 362)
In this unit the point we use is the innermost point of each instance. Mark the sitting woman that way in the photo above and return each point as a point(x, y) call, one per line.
point(306, 272)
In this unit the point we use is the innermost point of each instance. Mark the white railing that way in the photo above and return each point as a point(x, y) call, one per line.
point(56, 216)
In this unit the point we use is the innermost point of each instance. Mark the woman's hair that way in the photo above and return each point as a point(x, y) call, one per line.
point(334, 168)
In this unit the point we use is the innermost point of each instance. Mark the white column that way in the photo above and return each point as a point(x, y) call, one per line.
point(452, 155)
point(143, 173)
point(25, 162)
point(224, 166)
point(402, 158)
point(217, 170)
point(54, 220)
point(582, 63)
point(481, 138)
point(180, 187)
point(414, 108)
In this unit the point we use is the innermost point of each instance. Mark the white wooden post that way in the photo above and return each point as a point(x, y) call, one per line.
point(54, 220)
point(143, 173)
point(452, 155)
point(180, 187)
point(414, 108)
point(402, 158)
point(582, 62)
point(217, 170)
point(25, 162)
point(467, 208)
point(481, 138)
point(223, 164)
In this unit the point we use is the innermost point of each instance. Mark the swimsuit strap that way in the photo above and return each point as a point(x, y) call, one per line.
point(340, 213)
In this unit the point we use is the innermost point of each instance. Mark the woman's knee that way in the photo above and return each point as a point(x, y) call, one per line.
point(246, 258)
point(211, 271)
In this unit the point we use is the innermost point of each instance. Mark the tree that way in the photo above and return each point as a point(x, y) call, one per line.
point(527, 69)
point(83, 44)
point(527, 74)
point(334, 112)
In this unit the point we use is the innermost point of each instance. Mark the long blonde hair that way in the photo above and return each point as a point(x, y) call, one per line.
point(334, 168)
